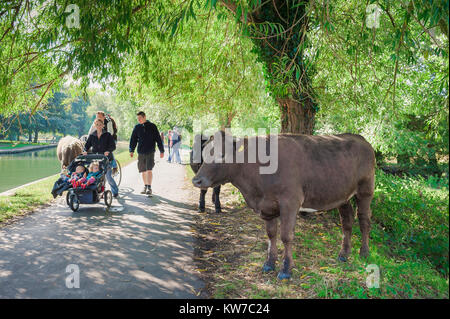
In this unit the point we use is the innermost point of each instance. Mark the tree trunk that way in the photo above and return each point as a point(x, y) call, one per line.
point(297, 106)
point(36, 133)
point(226, 119)
point(296, 117)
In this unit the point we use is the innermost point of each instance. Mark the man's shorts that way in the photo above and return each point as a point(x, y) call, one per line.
point(146, 162)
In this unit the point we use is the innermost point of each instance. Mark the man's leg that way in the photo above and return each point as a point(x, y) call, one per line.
point(149, 166)
point(149, 175)
point(176, 151)
point(144, 177)
point(142, 170)
point(178, 155)
point(170, 154)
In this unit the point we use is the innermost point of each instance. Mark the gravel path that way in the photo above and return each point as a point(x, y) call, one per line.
point(142, 248)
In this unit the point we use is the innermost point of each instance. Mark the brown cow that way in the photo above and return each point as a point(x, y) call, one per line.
point(68, 148)
point(314, 173)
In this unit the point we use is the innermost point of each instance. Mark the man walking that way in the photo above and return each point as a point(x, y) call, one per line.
point(145, 135)
point(169, 145)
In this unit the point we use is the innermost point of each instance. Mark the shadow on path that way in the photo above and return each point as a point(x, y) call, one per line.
point(140, 248)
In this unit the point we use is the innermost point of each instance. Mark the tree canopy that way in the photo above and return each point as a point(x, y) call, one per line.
point(379, 68)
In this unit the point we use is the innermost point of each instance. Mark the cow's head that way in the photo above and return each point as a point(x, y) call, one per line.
point(217, 161)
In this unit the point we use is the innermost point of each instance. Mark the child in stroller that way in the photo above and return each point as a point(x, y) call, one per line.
point(93, 176)
point(66, 181)
point(90, 187)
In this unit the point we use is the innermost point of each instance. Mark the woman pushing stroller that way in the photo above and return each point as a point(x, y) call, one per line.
point(103, 143)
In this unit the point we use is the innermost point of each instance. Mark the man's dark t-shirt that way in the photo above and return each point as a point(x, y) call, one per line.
point(145, 136)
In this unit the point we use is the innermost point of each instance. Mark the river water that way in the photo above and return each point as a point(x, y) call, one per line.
point(23, 168)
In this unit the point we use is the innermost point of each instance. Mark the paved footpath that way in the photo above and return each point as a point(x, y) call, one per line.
point(142, 248)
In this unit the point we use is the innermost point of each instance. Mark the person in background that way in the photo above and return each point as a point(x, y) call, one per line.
point(169, 145)
point(145, 135)
point(176, 143)
point(162, 137)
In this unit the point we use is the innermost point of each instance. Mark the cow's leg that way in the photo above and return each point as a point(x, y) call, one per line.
point(363, 199)
point(287, 226)
point(201, 202)
point(347, 218)
point(364, 214)
point(216, 192)
point(271, 229)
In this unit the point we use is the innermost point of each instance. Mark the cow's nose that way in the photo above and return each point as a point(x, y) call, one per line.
point(197, 182)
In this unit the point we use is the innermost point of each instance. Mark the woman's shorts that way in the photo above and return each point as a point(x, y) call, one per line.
point(146, 162)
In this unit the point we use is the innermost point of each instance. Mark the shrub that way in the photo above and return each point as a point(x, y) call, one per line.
point(414, 216)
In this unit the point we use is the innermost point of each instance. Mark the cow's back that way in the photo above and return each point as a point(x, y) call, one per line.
point(323, 170)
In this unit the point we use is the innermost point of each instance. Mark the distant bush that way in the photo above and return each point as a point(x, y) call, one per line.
point(414, 214)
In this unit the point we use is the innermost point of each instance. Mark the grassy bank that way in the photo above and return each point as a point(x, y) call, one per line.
point(409, 244)
point(27, 199)
point(13, 145)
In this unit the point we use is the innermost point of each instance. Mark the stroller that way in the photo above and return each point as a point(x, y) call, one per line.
point(93, 193)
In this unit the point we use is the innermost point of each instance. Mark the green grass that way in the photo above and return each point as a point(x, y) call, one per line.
point(12, 145)
point(30, 197)
point(27, 198)
point(413, 218)
point(124, 158)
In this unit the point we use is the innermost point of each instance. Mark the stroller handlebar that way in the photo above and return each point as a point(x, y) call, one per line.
point(93, 156)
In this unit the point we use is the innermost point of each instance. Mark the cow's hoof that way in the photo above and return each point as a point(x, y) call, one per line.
point(364, 253)
point(218, 211)
point(284, 276)
point(201, 210)
point(267, 267)
point(342, 259)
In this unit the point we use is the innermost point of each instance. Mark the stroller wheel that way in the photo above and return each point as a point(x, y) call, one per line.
point(74, 202)
point(108, 198)
point(67, 198)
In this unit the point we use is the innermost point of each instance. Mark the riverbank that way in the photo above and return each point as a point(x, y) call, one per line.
point(24, 149)
point(25, 199)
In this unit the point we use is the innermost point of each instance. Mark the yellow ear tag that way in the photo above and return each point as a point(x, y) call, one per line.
point(241, 148)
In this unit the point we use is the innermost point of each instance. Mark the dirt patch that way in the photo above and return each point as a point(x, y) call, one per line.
point(231, 248)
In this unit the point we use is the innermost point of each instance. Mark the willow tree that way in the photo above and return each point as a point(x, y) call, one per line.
point(279, 31)
point(42, 41)
point(40, 45)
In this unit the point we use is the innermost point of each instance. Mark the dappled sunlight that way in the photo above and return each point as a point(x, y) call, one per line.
point(142, 250)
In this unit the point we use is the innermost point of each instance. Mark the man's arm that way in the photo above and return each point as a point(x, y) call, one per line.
point(158, 140)
point(133, 141)
point(111, 143)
